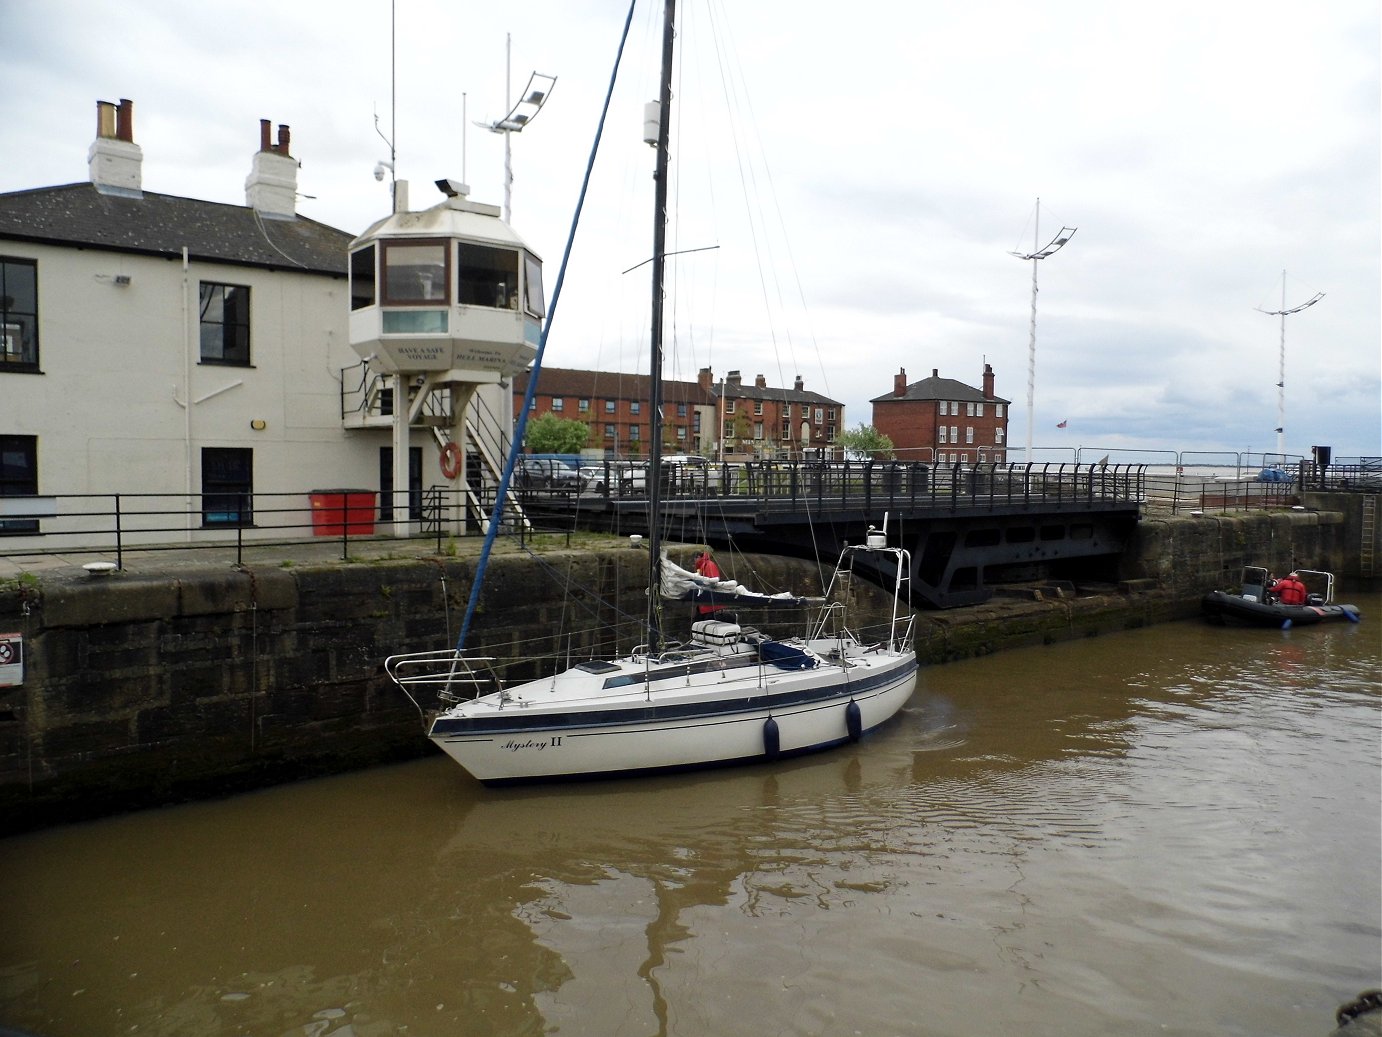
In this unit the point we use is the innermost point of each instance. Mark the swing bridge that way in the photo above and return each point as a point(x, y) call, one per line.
point(967, 527)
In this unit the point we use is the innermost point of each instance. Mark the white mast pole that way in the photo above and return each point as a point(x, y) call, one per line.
point(1031, 338)
point(1281, 380)
point(508, 107)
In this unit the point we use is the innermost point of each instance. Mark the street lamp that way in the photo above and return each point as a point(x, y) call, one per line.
point(530, 102)
point(1283, 313)
point(1036, 255)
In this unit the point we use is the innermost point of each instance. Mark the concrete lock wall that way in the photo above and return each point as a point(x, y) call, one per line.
point(140, 689)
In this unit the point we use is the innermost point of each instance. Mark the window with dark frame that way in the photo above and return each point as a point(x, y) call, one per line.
point(488, 276)
point(362, 283)
point(225, 324)
point(18, 314)
point(227, 486)
point(18, 477)
point(415, 272)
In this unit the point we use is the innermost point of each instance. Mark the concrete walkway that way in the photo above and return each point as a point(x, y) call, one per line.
point(94, 563)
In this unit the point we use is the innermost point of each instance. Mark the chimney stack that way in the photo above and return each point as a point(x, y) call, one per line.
point(271, 189)
point(705, 378)
point(115, 161)
point(935, 372)
point(733, 378)
point(760, 382)
point(800, 386)
point(900, 382)
point(988, 381)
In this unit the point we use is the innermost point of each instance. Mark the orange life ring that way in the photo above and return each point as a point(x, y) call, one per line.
point(451, 460)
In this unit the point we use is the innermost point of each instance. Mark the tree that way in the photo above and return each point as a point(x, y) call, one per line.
point(549, 434)
point(867, 441)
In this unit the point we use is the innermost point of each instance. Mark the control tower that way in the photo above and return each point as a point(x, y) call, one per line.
point(443, 303)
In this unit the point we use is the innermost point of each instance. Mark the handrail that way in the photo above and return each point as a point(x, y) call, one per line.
point(120, 522)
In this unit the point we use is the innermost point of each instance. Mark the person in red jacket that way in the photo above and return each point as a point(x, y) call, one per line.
point(1289, 590)
point(705, 566)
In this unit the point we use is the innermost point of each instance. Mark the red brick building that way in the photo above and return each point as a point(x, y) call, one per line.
point(941, 419)
point(615, 407)
point(761, 421)
point(703, 417)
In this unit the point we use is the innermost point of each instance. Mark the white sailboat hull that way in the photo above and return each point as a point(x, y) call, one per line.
point(637, 717)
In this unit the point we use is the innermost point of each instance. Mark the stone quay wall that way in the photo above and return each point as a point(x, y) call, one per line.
point(145, 688)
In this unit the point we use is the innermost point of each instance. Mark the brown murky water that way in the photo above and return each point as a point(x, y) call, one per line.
point(1170, 831)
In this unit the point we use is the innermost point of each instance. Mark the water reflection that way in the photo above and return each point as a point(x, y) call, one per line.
point(1173, 830)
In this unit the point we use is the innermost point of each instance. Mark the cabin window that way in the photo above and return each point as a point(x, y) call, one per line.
point(416, 273)
point(534, 302)
point(18, 314)
point(18, 477)
point(227, 486)
point(362, 288)
point(488, 276)
point(225, 324)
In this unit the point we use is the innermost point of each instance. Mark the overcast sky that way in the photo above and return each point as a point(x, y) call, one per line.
point(857, 175)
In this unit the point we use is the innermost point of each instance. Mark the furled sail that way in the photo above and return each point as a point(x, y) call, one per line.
point(680, 584)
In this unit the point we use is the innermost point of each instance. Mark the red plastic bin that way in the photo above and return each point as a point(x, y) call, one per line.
point(342, 512)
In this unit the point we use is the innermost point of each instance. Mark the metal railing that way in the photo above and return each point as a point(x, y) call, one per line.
point(102, 524)
point(120, 523)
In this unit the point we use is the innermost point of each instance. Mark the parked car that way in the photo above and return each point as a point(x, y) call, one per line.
point(597, 477)
point(546, 474)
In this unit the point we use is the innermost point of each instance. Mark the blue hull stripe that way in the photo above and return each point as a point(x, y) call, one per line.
point(517, 721)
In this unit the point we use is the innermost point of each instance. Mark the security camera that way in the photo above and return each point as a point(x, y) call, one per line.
point(379, 171)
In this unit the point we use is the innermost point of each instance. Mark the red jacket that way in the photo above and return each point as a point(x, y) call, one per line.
point(1289, 590)
point(705, 566)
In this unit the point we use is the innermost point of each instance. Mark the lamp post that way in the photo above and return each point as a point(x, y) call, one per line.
point(1036, 255)
point(534, 96)
point(1283, 313)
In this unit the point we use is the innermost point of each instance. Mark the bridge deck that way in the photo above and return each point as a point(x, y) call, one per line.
point(960, 523)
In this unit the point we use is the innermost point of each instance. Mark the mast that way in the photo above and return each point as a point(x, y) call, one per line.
point(655, 364)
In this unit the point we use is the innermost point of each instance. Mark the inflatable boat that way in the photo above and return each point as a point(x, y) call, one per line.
point(1255, 605)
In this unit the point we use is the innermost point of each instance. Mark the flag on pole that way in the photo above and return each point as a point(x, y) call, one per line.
point(1063, 423)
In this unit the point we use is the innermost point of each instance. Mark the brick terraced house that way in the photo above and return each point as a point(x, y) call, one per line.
point(944, 420)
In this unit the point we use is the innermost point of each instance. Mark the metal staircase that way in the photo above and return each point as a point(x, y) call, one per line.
point(367, 403)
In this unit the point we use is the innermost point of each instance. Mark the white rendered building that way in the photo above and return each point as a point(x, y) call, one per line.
point(198, 351)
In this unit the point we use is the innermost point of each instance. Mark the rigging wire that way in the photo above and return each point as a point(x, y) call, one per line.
point(497, 514)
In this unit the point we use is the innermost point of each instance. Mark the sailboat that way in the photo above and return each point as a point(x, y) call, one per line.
point(730, 694)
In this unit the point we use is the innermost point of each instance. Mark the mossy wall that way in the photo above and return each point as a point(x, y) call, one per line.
point(153, 687)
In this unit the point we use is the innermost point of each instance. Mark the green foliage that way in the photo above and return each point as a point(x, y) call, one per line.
point(867, 440)
point(549, 434)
